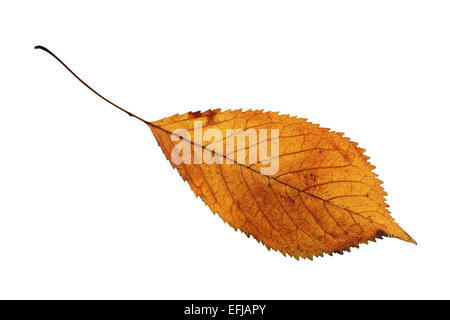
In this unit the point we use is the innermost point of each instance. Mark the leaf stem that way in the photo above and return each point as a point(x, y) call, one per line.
point(90, 88)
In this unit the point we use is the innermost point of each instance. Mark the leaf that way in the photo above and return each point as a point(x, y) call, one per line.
point(318, 194)
point(323, 199)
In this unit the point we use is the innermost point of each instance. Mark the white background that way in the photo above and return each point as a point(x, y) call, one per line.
point(89, 206)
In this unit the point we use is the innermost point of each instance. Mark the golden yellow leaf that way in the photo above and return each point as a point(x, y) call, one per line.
point(296, 187)
point(323, 199)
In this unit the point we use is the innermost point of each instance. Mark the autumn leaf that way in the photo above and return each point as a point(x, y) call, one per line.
point(297, 188)
point(323, 199)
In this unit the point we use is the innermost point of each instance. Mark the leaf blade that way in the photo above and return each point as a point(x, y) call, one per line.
point(324, 199)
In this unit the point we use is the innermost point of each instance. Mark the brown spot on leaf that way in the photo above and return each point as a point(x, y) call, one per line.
point(195, 114)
